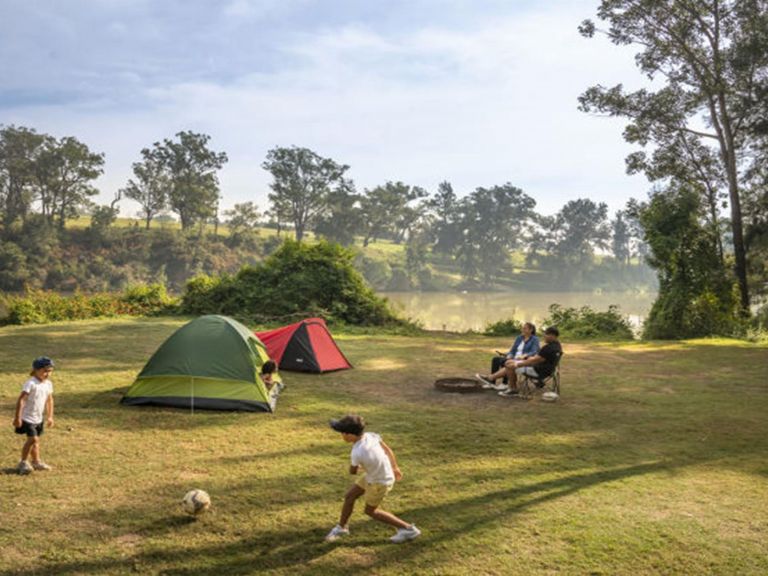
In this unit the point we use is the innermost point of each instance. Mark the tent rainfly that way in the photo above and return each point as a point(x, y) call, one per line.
point(212, 363)
point(305, 346)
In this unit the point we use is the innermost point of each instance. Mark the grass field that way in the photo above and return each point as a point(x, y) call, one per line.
point(653, 462)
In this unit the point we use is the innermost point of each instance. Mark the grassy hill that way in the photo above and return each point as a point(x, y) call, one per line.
point(653, 462)
point(383, 263)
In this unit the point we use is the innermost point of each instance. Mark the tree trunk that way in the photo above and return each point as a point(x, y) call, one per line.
point(725, 133)
point(712, 201)
point(726, 137)
point(149, 220)
point(738, 239)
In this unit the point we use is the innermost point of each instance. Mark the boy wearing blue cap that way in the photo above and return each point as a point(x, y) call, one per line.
point(34, 409)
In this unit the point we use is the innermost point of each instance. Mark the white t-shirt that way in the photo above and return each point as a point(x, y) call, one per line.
point(370, 456)
point(34, 409)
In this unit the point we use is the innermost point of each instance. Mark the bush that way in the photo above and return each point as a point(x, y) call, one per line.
point(297, 280)
point(677, 313)
point(377, 272)
point(208, 294)
point(399, 282)
point(14, 272)
point(696, 292)
point(148, 299)
point(40, 307)
point(510, 327)
point(585, 322)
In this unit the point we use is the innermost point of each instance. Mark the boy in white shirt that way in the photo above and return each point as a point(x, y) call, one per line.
point(34, 409)
point(376, 459)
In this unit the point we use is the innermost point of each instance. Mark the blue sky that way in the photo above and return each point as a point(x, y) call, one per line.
point(475, 92)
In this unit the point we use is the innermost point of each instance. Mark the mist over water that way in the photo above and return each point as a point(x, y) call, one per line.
point(456, 311)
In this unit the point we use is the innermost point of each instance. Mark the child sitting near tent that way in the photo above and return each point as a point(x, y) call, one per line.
point(267, 374)
point(377, 460)
point(34, 409)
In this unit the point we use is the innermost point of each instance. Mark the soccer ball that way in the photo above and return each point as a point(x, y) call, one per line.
point(196, 502)
point(549, 396)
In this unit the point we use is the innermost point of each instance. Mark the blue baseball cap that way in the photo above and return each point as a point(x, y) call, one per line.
point(42, 362)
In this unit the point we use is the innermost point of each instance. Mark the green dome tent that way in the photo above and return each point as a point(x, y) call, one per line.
point(213, 363)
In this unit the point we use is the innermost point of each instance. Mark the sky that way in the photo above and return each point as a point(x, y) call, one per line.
point(476, 92)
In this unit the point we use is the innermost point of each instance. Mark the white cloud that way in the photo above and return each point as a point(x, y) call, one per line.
point(478, 106)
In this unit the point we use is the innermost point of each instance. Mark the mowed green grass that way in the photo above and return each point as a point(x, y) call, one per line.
point(653, 462)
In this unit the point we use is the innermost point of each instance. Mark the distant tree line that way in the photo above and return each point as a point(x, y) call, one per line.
point(477, 231)
point(49, 178)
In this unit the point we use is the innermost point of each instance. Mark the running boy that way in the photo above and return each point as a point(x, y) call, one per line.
point(34, 409)
point(376, 459)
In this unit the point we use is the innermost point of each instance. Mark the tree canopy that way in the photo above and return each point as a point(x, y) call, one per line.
point(302, 182)
point(710, 60)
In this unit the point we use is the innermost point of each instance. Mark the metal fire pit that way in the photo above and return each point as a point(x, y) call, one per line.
point(460, 385)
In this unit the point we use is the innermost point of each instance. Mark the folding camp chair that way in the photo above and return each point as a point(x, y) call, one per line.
point(531, 384)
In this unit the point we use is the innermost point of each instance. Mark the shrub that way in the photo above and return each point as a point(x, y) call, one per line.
point(39, 306)
point(14, 272)
point(677, 313)
point(585, 322)
point(297, 280)
point(696, 293)
point(399, 282)
point(377, 272)
point(148, 299)
point(205, 294)
point(510, 327)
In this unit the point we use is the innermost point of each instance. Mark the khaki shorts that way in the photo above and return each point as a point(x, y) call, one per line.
point(528, 370)
point(374, 493)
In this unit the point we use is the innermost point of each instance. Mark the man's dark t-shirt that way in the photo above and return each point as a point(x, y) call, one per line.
point(551, 353)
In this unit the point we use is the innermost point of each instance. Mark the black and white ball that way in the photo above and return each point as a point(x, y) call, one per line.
point(196, 502)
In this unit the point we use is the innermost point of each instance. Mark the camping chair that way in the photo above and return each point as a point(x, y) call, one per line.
point(531, 384)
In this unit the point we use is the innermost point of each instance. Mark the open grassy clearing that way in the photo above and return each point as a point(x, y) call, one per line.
point(652, 463)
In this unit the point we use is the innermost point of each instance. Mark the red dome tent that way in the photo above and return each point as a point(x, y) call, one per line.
point(306, 346)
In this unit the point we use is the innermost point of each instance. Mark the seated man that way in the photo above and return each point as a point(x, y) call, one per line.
point(525, 346)
point(540, 366)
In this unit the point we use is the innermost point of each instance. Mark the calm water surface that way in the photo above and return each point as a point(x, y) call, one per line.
point(474, 310)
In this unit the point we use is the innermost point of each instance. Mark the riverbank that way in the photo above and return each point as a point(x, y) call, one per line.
point(652, 462)
point(463, 311)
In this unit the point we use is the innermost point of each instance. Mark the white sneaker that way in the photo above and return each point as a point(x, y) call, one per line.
point(336, 533)
point(24, 468)
point(405, 534)
point(41, 466)
point(501, 387)
point(509, 393)
point(487, 384)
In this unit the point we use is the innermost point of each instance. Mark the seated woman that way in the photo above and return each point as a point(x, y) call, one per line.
point(538, 366)
point(525, 346)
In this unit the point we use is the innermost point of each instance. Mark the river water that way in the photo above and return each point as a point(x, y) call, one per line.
point(459, 311)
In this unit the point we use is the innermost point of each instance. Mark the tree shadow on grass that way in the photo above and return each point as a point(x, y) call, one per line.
point(295, 548)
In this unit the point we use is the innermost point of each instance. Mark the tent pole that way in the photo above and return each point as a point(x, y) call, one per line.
point(192, 397)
